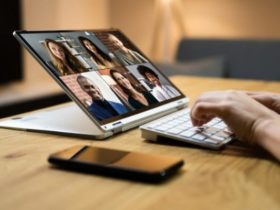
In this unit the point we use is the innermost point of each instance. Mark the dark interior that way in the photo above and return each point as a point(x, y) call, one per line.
point(11, 59)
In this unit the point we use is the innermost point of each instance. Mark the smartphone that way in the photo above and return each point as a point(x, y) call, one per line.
point(117, 163)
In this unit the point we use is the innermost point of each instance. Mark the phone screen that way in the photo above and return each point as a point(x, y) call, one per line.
point(118, 159)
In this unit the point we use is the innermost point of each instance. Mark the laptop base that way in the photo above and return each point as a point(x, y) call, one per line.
point(67, 119)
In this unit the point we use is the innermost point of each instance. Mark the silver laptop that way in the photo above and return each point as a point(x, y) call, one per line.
point(114, 88)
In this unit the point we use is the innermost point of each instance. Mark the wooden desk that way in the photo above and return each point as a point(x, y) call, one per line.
point(234, 178)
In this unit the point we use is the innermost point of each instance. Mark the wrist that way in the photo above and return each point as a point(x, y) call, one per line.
point(267, 131)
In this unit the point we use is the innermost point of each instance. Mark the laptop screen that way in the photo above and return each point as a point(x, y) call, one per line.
point(102, 71)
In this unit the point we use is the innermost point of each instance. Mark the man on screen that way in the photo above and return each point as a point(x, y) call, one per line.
point(100, 107)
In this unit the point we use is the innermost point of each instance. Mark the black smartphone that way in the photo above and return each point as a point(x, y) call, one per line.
point(117, 163)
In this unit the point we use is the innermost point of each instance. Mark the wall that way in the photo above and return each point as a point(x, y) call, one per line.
point(60, 14)
point(233, 18)
point(203, 18)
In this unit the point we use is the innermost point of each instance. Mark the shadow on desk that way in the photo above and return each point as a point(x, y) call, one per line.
point(32, 104)
point(234, 148)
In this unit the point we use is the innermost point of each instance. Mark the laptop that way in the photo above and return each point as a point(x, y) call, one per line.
point(114, 87)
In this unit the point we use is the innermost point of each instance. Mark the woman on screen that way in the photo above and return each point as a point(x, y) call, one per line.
point(62, 59)
point(98, 57)
point(124, 55)
point(137, 99)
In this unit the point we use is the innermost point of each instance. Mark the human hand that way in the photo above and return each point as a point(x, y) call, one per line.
point(269, 99)
point(246, 117)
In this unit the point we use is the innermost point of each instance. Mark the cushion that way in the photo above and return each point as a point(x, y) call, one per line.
point(245, 58)
point(208, 67)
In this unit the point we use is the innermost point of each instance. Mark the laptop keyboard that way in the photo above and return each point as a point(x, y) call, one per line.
point(178, 125)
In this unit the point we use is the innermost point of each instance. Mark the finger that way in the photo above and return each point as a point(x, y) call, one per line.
point(251, 92)
point(199, 122)
point(256, 92)
point(260, 94)
point(205, 111)
point(265, 100)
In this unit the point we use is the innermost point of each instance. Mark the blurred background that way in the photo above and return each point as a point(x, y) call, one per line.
point(218, 38)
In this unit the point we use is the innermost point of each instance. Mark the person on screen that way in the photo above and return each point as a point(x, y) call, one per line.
point(252, 116)
point(137, 99)
point(99, 58)
point(123, 54)
point(100, 107)
point(160, 91)
point(62, 59)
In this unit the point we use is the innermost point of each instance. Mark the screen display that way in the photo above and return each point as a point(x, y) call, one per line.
point(123, 159)
point(104, 71)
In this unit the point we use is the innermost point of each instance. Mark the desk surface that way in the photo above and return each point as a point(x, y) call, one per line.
point(237, 177)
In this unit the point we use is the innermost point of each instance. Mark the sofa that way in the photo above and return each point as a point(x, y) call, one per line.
point(246, 59)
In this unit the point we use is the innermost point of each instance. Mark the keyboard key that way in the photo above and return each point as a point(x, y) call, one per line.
point(189, 133)
point(217, 120)
point(189, 123)
point(199, 137)
point(222, 134)
point(170, 124)
point(217, 138)
point(211, 141)
point(222, 123)
point(219, 126)
point(211, 123)
point(211, 130)
point(180, 121)
point(154, 125)
point(183, 127)
point(175, 131)
point(161, 128)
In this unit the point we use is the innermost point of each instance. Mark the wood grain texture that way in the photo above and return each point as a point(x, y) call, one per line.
point(237, 177)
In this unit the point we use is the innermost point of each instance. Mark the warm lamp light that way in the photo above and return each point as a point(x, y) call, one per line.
point(168, 13)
